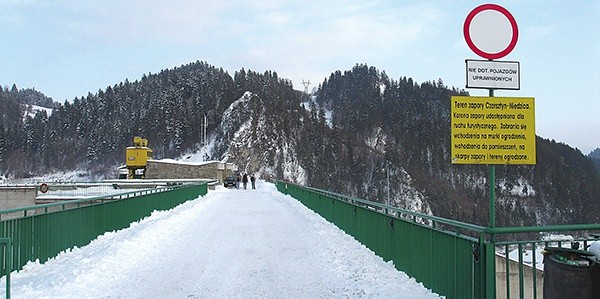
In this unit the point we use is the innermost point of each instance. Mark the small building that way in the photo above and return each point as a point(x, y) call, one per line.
point(171, 169)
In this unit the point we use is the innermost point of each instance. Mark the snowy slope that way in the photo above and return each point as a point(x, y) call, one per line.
point(227, 244)
point(32, 110)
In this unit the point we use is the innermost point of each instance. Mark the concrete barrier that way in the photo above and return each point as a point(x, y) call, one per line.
point(169, 169)
point(12, 197)
point(528, 277)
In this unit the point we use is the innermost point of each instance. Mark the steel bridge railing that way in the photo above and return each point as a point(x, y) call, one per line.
point(435, 251)
point(453, 258)
point(41, 232)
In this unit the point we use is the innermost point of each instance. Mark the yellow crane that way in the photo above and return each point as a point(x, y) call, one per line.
point(137, 158)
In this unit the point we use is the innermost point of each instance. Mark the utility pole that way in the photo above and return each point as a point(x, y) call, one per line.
point(203, 132)
point(388, 183)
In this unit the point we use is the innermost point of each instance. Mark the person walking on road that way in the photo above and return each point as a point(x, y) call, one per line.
point(253, 180)
point(238, 178)
point(245, 180)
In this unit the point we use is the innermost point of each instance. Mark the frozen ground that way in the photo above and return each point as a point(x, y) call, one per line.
point(227, 244)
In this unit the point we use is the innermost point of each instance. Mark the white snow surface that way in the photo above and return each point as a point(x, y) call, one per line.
point(32, 110)
point(67, 176)
point(528, 257)
point(227, 244)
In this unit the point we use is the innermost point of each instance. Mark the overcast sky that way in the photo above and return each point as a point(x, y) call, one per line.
point(68, 48)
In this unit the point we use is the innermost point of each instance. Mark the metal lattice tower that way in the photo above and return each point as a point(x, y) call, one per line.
point(306, 84)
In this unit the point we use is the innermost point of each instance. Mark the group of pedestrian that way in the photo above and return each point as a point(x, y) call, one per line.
point(244, 180)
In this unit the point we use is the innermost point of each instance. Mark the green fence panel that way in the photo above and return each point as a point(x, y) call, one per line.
point(45, 234)
point(344, 217)
point(441, 260)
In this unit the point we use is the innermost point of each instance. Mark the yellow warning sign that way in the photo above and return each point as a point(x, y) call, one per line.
point(492, 130)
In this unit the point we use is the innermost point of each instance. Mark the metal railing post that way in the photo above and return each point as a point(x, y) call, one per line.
point(490, 270)
point(7, 262)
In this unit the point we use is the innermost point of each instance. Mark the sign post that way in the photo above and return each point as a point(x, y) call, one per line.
point(490, 130)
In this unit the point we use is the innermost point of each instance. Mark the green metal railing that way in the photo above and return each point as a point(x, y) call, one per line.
point(454, 259)
point(43, 231)
point(6, 262)
point(523, 279)
point(445, 261)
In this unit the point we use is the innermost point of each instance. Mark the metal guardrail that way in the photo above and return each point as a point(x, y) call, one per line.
point(75, 203)
point(43, 231)
point(447, 261)
point(528, 280)
point(6, 254)
point(456, 241)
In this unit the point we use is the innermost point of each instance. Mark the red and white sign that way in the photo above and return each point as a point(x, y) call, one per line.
point(491, 31)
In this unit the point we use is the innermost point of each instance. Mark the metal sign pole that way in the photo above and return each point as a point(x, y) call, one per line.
point(492, 189)
point(490, 251)
point(491, 42)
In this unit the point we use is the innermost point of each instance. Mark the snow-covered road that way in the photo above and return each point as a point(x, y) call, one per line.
point(227, 244)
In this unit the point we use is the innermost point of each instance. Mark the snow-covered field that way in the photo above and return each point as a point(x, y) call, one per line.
point(227, 244)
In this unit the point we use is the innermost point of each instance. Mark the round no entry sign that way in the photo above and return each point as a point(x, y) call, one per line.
point(491, 31)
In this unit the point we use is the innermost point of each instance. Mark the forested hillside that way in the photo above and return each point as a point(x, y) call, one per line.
point(411, 123)
point(93, 131)
point(378, 127)
point(595, 156)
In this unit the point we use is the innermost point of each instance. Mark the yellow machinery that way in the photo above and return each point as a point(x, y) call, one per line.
point(137, 158)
